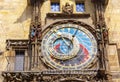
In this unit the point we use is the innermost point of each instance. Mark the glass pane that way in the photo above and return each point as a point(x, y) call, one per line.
point(80, 7)
point(19, 61)
point(55, 7)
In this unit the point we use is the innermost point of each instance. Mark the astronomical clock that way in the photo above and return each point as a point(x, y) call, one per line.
point(69, 46)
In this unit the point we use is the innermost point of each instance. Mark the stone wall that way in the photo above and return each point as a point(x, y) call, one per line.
point(112, 16)
point(15, 18)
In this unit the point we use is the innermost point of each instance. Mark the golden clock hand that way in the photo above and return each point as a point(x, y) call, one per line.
point(59, 34)
point(72, 38)
point(65, 41)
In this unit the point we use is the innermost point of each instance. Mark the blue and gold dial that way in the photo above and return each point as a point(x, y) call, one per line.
point(69, 46)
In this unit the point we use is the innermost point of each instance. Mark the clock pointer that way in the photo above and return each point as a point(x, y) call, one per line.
point(74, 34)
point(73, 37)
point(59, 34)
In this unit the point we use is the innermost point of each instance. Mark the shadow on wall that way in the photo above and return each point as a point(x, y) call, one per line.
point(27, 13)
point(1, 52)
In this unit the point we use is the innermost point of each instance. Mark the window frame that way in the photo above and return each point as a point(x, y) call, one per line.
point(78, 2)
point(57, 2)
point(23, 53)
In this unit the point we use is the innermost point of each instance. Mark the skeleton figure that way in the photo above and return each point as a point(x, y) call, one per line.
point(67, 9)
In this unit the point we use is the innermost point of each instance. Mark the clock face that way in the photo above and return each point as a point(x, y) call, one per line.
point(69, 46)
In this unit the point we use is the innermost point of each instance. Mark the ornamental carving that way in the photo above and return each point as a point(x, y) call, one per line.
point(50, 76)
point(67, 9)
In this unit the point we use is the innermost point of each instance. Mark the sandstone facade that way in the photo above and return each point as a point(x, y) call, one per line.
point(15, 19)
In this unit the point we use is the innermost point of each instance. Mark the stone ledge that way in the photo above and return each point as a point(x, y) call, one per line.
point(74, 15)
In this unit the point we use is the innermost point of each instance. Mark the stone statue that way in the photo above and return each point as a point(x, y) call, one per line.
point(67, 9)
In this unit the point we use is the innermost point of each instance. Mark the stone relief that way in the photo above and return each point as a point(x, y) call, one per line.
point(67, 9)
